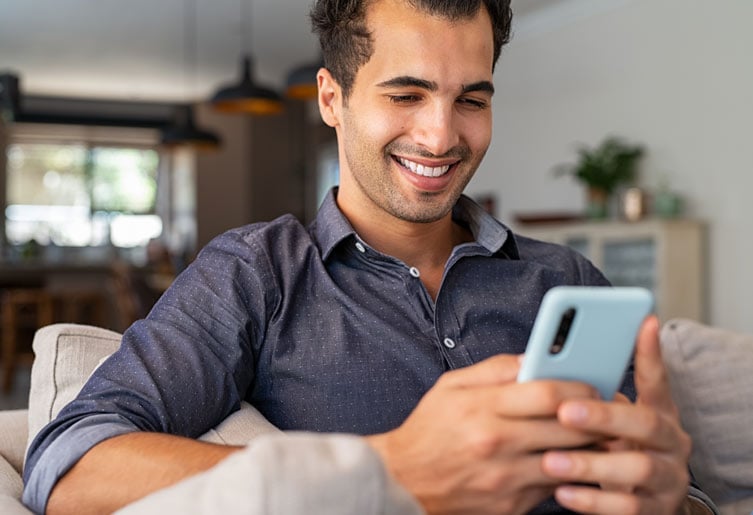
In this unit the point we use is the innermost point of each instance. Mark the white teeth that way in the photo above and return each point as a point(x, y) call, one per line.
point(426, 171)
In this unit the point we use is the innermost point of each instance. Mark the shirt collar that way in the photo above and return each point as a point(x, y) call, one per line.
point(331, 227)
point(488, 232)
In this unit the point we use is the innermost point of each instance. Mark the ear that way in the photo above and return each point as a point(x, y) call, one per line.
point(330, 98)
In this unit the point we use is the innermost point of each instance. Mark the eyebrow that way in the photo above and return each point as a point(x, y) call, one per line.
point(408, 81)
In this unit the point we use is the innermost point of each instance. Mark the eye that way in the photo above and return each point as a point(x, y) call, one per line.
point(473, 103)
point(404, 99)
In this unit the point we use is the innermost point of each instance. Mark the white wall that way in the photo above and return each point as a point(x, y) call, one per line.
point(675, 75)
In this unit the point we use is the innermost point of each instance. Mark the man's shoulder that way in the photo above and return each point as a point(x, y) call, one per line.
point(286, 224)
point(270, 236)
point(532, 249)
point(560, 257)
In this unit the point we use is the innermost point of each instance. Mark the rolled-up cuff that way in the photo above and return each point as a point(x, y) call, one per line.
point(65, 451)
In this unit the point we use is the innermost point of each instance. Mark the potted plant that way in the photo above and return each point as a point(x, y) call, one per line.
point(602, 170)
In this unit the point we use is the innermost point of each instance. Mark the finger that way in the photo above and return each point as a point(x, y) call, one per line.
point(539, 398)
point(642, 425)
point(593, 501)
point(521, 436)
point(498, 369)
point(651, 379)
point(623, 471)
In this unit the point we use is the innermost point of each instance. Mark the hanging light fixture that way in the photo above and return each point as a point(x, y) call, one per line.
point(301, 82)
point(182, 129)
point(247, 96)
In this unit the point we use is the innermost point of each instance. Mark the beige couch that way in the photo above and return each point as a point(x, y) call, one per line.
point(711, 371)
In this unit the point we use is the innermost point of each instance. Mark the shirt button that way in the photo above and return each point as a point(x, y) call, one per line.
point(414, 272)
point(360, 247)
point(449, 343)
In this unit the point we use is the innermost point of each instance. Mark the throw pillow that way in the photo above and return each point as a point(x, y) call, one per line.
point(711, 375)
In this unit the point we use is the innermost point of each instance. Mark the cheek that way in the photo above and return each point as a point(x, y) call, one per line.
point(478, 134)
point(381, 128)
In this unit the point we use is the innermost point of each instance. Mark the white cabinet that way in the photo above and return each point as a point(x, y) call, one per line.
point(665, 256)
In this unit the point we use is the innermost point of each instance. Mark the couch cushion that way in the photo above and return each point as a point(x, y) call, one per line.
point(65, 357)
point(13, 433)
point(711, 373)
point(10, 480)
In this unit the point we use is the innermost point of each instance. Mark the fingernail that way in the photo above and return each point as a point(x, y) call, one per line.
point(557, 463)
point(565, 494)
point(574, 413)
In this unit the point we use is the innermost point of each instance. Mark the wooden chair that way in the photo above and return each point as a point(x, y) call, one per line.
point(23, 311)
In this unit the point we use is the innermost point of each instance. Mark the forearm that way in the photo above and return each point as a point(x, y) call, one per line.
point(123, 469)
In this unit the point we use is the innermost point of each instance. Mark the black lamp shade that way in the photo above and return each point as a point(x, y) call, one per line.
point(301, 83)
point(246, 96)
point(183, 131)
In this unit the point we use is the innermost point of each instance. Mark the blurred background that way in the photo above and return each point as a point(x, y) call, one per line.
point(130, 135)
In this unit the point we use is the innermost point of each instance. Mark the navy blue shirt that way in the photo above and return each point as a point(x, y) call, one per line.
point(314, 328)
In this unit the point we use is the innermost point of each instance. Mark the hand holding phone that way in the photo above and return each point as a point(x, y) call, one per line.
point(586, 334)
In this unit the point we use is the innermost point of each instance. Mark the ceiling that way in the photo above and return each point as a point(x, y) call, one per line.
point(141, 49)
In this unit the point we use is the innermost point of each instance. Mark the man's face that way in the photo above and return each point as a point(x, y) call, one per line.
point(418, 120)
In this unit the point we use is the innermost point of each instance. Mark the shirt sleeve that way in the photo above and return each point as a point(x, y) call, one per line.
point(63, 452)
point(182, 370)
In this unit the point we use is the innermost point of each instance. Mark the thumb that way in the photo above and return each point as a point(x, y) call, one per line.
point(651, 380)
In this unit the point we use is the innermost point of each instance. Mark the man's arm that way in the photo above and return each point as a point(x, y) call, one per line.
point(468, 446)
point(125, 468)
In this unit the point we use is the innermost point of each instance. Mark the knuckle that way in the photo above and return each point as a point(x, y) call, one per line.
point(652, 421)
point(547, 396)
point(646, 468)
point(494, 481)
point(483, 444)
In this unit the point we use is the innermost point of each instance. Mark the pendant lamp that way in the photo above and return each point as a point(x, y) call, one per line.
point(246, 96)
point(301, 81)
point(183, 131)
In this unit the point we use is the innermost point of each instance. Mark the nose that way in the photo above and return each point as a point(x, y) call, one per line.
point(436, 128)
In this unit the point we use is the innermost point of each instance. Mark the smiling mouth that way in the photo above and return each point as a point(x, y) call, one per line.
point(424, 170)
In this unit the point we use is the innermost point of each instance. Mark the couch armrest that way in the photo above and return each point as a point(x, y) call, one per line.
point(11, 485)
point(13, 434)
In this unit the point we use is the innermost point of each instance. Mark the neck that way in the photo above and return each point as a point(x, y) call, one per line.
point(426, 246)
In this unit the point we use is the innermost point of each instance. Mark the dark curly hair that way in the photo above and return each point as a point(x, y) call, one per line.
point(346, 42)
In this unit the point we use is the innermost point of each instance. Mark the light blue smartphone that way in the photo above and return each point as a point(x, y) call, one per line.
point(586, 334)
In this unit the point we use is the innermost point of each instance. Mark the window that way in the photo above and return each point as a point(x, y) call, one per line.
point(71, 193)
point(91, 194)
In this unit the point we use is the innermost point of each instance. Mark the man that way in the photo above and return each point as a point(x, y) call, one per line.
point(352, 324)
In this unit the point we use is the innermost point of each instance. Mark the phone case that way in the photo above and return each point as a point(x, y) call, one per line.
point(601, 337)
